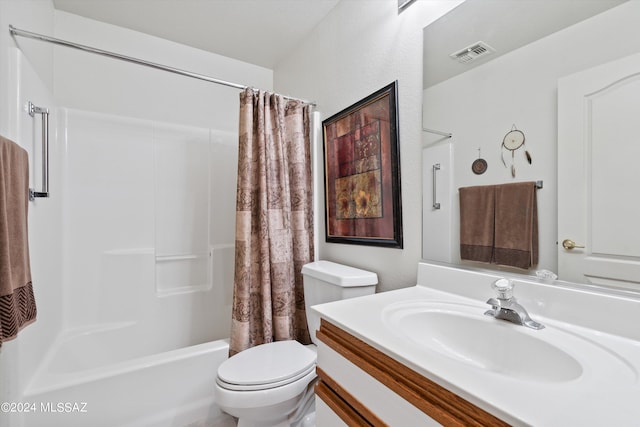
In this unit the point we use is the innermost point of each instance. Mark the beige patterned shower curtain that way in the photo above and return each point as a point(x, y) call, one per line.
point(274, 221)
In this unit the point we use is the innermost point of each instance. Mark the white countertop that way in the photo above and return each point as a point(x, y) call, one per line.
point(605, 394)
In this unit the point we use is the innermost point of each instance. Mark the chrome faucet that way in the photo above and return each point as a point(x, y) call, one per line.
point(506, 307)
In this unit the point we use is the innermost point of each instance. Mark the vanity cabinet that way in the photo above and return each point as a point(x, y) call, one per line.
point(361, 386)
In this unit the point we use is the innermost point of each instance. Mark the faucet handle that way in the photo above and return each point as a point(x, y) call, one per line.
point(504, 288)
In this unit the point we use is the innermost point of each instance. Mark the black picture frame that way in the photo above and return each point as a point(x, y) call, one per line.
point(362, 172)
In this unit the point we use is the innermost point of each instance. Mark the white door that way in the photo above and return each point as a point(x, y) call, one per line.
point(599, 175)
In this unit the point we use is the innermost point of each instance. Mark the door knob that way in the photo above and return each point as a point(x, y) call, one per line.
point(569, 244)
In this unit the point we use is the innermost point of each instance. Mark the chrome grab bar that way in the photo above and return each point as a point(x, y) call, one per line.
point(44, 112)
point(436, 168)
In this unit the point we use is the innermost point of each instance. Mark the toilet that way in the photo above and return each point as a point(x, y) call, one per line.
point(272, 384)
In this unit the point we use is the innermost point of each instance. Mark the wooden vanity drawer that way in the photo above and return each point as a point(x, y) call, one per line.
point(383, 391)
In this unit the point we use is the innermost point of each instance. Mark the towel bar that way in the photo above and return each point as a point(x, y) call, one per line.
point(44, 112)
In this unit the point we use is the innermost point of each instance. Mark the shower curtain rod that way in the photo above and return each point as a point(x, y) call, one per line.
point(23, 33)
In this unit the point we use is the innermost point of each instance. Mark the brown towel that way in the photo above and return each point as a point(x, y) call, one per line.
point(477, 222)
point(17, 303)
point(516, 226)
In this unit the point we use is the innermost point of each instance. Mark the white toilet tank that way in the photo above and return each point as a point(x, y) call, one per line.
point(326, 281)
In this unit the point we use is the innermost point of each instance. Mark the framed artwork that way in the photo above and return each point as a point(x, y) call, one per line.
point(362, 172)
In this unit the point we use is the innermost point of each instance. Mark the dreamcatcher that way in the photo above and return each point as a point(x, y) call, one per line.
point(513, 140)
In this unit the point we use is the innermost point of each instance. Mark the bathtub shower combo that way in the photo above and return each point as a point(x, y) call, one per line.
point(147, 270)
point(144, 209)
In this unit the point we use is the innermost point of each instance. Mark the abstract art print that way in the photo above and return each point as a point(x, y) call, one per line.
point(362, 172)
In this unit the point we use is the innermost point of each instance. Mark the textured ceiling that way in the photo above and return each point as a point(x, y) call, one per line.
point(260, 32)
point(503, 24)
point(263, 32)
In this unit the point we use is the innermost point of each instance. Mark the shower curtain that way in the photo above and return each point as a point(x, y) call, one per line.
point(274, 221)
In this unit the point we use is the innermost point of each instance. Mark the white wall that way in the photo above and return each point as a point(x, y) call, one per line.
point(480, 106)
point(27, 14)
point(31, 66)
point(96, 83)
point(361, 46)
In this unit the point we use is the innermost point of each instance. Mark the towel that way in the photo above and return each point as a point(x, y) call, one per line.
point(516, 225)
point(17, 302)
point(477, 206)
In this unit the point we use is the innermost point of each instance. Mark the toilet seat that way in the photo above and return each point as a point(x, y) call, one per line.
point(266, 366)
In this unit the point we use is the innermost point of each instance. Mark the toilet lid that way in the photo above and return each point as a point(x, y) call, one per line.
point(267, 365)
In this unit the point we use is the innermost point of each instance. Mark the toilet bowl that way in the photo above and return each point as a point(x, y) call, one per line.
point(272, 384)
point(264, 385)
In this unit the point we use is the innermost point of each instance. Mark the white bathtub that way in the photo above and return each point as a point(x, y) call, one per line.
point(100, 386)
point(147, 263)
point(146, 276)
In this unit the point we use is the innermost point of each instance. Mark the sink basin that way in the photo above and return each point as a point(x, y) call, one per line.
point(461, 332)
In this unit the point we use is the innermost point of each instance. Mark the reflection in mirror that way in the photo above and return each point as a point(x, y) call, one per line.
point(512, 57)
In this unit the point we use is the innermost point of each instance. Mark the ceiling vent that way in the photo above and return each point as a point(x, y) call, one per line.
point(473, 52)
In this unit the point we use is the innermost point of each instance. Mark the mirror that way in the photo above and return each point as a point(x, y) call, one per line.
point(491, 66)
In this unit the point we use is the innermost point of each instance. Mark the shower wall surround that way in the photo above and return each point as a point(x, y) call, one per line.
point(149, 156)
point(139, 199)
